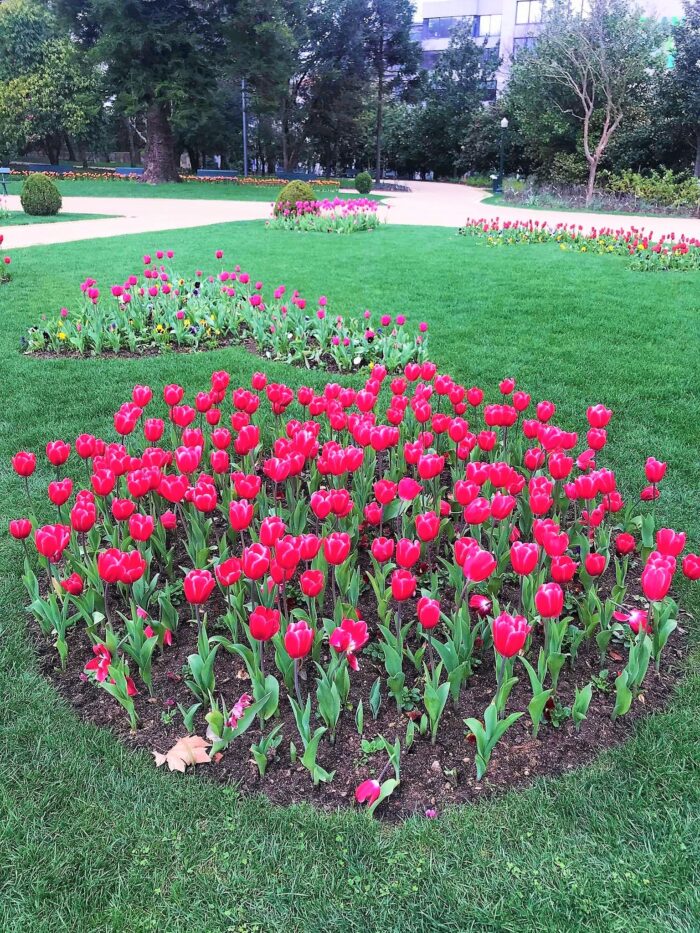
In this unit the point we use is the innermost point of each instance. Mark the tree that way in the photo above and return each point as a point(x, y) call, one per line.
point(156, 55)
point(585, 73)
point(685, 74)
point(453, 100)
point(392, 56)
point(49, 93)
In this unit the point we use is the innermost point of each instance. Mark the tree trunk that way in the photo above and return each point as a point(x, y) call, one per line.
point(590, 187)
point(697, 152)
point(160, 147)
point(380, 103)
point(195, 161)
point(52, 148)
point(134, 157)
point(71, 149)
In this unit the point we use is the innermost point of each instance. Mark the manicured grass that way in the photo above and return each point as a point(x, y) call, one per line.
point(20, 219)
point(94, 838)
point(219, 191)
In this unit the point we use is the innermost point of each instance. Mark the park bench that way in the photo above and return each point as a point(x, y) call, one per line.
point(4, 178)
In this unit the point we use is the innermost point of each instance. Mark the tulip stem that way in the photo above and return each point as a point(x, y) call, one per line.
point(297, 688)
point(430, 655)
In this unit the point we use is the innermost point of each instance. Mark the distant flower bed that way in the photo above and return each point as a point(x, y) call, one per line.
point(336, 216)
point(161, 310)
point(4, 263)
point(645, 253)
point(109, 174)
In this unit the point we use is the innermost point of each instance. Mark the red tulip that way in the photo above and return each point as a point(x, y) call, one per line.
point(382, 549)
point(73, 584)
point(691, 566)
point(598, 416)
point(109, 565)
point(141, 527)
point(625, 543)
point(407, 553)
point(20, 528)
point(373, 513)
point(336, 547)
point(100, 663)
point(427, 526)
point(656, 581)
point(240, 513)
point(509, 634)
point(367, 792)
point(430, 466)
point(311, 583)
point(288, 552)
point(271, 530)
point(247, 487)
point(173, 395)
point(198, 586)
point(480, 604)
point(670, 542)
point(549, 600)
point(524, 557)
point(478, 565)
point(254, 561)
point(563, 568)
point(57, 452)
point(428, 611)
point(228, 571)
point(85, 446)
point(595, 564)
point(122, 509)
point(60, 491)
point(655, 470)
point(264, 623)
point(349, 638)
point(24, 463)
point(403, 585)
point(385, 491)
point(132, 567)
point(408, 489)
point(298, 639)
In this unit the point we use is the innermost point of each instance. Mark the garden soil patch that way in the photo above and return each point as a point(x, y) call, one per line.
point(432, 776)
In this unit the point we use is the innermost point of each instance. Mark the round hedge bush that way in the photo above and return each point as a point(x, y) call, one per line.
point(40, 197)
point(291, 193)
point(363, 182)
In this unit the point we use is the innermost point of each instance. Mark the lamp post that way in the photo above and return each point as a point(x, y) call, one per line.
point(245, 129)
point(502, 159)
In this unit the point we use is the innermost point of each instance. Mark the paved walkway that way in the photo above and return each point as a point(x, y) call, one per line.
point(427, 204)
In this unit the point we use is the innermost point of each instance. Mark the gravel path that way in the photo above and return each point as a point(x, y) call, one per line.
point(427, 204)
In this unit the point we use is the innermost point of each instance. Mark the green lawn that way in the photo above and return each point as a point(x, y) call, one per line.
point(201, 190)
point(20, 219)
point(93, 838)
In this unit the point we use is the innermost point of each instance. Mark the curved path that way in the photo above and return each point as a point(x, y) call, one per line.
point(427, 204)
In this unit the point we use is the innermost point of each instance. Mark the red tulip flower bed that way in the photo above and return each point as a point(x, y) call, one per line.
point(667, 253)
point(162, 311)
point(4, 263)
point(408, 591)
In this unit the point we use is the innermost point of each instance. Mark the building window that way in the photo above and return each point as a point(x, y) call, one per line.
point(417, 32)
point(442, 27)
point(528, 11)
point(492, 55)
point(523, 42)
point(489, 25)
point(488, 90)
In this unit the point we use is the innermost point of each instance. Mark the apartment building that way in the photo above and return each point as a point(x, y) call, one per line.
point(502, 26)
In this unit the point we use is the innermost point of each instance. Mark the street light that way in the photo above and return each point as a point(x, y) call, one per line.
point(499, 182)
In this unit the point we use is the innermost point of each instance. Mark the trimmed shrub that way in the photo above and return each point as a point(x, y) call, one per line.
point(363, 182)
point(291, 193)
point(40, 197)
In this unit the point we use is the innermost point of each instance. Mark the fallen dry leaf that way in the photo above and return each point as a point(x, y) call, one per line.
point(188, 751)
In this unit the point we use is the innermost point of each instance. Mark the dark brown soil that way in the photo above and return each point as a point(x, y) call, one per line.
point(432, 776)
point(327, 363)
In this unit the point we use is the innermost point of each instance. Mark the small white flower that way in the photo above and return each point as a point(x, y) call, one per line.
point(357, 361)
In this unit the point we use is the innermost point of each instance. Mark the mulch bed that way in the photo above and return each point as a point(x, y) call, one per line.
point(327, 363)
point(432, 776)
